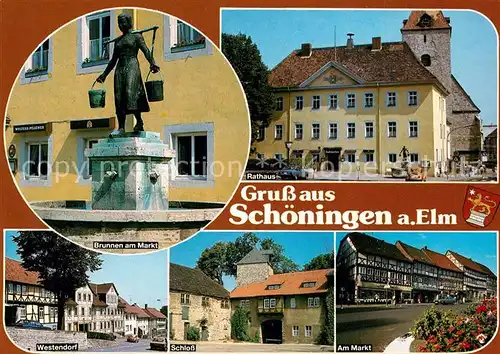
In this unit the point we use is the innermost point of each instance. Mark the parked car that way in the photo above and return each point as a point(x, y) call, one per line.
point(293, 173)
point(159, 343)
point(132, 338)
point(447, 300)
point(31, 325)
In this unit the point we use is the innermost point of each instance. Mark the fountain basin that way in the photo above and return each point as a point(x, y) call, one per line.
point(75, 220)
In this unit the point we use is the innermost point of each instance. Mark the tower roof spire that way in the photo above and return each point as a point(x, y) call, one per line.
point(426, 19)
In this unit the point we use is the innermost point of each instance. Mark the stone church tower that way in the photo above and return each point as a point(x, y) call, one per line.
point(428, 34)
point(254, 267)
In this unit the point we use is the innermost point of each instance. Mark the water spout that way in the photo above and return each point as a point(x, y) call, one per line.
point(111, 175)
point(153, 176)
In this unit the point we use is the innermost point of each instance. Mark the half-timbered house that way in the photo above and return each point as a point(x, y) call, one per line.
point(475, 277)
point(26, 298)
point(425, 287)
point(370, 270)
point(450, 277)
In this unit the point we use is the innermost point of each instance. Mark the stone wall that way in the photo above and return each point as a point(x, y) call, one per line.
point(252, 273)
point(29, 338)
point(217, 319)
point(438, 45)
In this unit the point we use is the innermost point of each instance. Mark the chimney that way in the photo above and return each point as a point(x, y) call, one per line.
point(404, 22)
point(306, 50)
point(447, 19)
point(350, 41)
point(145, 306)
point(376, 43)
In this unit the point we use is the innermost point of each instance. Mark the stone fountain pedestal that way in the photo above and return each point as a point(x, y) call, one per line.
point(130, 172)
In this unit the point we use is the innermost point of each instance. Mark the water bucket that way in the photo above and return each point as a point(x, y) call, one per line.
point(97, 98)
point(154, 89)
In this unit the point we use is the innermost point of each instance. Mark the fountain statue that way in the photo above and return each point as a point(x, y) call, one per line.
point(130, 170)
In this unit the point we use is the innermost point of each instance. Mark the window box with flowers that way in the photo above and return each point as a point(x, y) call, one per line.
point(42, 70)
point(182, 41)
point(183, 45)
point(88, 62)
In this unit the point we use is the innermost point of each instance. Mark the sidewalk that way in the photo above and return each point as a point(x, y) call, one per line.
point(377, 307)
point(355, 176)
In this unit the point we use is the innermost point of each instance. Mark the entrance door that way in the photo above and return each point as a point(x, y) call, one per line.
point(333, 160)
point(272, 331)
point(186, 328)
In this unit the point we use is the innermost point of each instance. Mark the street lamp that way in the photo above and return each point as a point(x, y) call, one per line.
point(288, 145)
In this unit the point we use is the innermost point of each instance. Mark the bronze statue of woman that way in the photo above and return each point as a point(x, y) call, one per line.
point(130, 96)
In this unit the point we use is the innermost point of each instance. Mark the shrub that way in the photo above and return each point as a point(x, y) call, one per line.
point(100, 335)
point(256, 338)
point(457, 333)
point(239, 324)
point(432, 322)
point(193, 334)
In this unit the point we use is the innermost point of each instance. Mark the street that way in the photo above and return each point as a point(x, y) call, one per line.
point(254, 347)
point(125, 347)
point(379, 326)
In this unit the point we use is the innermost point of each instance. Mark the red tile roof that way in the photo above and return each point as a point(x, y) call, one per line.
point(290, 284)
point(394, 63)
point(467, 262)
point(438, 20)
point(154, 312)
point(134, 309)
point(441, 260)
point(14, 271)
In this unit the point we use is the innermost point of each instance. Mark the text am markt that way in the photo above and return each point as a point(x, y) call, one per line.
point(427, 217)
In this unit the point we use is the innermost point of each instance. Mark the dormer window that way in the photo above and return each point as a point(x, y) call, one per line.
point(309, 284)
point(425, 21)
point(273, 287)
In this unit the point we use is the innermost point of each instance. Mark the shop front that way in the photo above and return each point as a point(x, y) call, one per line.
point(378, 293)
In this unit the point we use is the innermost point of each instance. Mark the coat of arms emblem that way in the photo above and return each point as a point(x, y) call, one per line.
point(480, 206)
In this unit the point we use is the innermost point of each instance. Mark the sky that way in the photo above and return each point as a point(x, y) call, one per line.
point(138, 278)
point(480, 246)
point(301, 247)
point(278, 32)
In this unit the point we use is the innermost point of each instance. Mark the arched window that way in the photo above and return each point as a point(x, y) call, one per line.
point(426, 60)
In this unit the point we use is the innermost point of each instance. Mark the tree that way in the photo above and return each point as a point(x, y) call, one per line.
point(238, 249)
point(212, 261)
point(164, 310)
point(246, 60)
point(322, 261)
point(62, 266)
point(279, 262)
point(221, 258)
